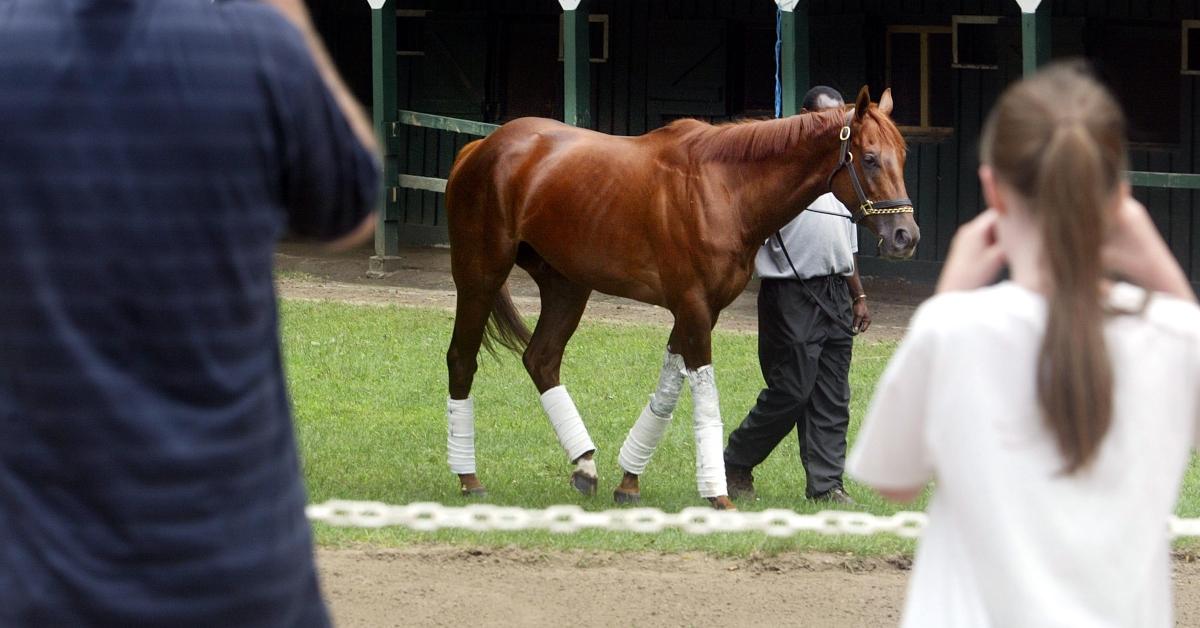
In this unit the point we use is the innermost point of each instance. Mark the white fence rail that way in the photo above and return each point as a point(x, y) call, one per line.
point(428, 516)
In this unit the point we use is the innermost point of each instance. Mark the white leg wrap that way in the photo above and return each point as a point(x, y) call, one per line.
point(642, 440)
point(647, 432)
point(568, 426)
point(460, 443)
point(670, 383)
point(710, 461)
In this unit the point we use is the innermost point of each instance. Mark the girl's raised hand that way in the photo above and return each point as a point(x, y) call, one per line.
point(1135, 252)
point(975, 258)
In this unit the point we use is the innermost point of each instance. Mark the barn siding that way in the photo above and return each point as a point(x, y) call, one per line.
point(630, 95)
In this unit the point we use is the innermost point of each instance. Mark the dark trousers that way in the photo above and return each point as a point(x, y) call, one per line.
point(805, 361)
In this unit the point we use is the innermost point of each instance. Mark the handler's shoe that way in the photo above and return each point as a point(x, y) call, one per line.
point(837, 496)
point(739, 481)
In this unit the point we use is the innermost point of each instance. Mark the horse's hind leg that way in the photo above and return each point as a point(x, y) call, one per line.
point(563, 302)
point(479, 280)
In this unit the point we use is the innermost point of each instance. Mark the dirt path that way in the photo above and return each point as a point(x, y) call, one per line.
point(431, 586)
point(455, 586)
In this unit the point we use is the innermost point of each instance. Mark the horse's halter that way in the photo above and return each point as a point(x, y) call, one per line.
point(866, 207)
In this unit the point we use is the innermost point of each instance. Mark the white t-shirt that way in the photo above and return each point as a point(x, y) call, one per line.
point(1011, 540)
point(819, 244)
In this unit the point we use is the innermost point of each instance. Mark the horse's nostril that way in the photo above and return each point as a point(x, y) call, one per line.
point(901, 238)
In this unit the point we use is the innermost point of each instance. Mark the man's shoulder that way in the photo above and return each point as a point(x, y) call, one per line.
point(827, 202)
point(818, 213)
point(251, 13)
point(268, 30)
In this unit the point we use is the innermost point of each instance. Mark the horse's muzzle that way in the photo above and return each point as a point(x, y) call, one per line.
point(901, 242)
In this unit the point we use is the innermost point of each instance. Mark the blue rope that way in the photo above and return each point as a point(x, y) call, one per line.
point(778, 53)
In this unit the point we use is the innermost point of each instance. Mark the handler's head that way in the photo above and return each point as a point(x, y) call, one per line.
point(822, 98)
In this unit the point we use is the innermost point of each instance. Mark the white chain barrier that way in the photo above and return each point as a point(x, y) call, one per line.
point(430, 516)
point(565, 519)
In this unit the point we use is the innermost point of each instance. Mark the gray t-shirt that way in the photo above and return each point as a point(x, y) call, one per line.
point(818, 244)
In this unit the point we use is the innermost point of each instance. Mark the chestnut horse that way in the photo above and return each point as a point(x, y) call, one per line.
point(672, 218)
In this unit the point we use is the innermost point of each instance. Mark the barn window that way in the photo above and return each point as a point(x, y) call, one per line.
point(410, 29)
point(1146, 84)
point(919, 72)
point(1191, 47)
point(976, 41)
point(597, 38)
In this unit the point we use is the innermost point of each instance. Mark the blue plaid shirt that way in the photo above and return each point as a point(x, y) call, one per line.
point(151, 154)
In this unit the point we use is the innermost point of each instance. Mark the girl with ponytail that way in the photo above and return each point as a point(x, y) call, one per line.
point(1055, 411)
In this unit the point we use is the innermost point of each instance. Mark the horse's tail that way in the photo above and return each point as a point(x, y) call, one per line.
point(505, 326)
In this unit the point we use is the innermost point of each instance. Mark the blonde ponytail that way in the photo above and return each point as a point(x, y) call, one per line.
point(1074, 376)
point(1058, 139)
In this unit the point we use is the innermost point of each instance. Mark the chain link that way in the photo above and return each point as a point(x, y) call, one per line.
point(563, 519)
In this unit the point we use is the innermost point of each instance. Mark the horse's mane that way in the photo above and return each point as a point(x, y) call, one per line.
point(755, 140)
point(748, 140)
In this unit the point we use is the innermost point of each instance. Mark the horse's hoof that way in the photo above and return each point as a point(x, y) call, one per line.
point(625, 498)
point(477, 492)
point(721, 503)
point(584, 483)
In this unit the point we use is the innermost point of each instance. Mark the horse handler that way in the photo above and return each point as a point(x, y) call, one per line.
point(810, 305)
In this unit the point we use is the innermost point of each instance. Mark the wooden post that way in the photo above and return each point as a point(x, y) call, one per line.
point(1035, 35)
point(794, 54)
point(577, 79)
point(385, 110)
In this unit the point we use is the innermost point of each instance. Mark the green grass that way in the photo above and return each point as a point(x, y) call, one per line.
point(369, 389)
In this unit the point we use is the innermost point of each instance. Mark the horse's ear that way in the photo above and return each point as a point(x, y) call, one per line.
point(862, 102)
point(885, 102)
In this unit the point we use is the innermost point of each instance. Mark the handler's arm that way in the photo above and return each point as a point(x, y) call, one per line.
point(858, 300)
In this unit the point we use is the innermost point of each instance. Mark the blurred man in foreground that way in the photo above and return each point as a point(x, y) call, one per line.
point(152, 152)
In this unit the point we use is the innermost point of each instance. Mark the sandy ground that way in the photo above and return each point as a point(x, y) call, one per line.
point(446, 586)
point(453, 586)
point(436, 585)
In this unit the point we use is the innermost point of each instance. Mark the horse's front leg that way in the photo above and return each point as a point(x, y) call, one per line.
point(692, 338)
point(710, 433)
point(647, 432)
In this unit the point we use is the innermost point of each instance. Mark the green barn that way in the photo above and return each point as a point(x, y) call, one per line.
point(651, 61)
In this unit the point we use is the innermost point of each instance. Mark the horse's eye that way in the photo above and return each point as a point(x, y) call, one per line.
point(870, 159)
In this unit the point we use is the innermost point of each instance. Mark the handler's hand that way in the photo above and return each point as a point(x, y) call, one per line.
point(1136, 252)
point(975, 257)
point(862, 315)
